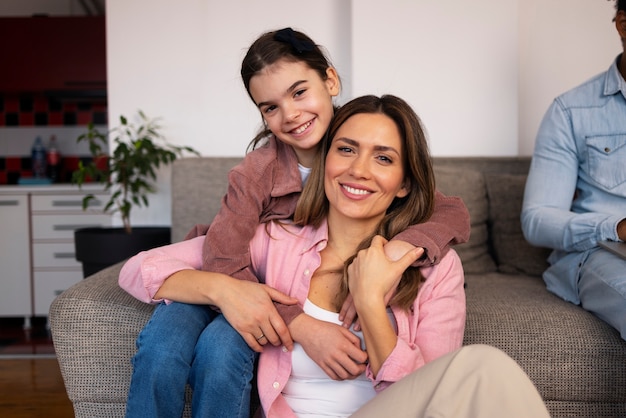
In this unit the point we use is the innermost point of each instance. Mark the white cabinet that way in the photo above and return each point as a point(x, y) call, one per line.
point(54, 218)
point(15, 279)
point(37, 256)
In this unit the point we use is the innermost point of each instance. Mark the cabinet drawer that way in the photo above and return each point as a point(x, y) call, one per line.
point(65, 202)
point(14, 256)
point(63, 226)
point(50, 284)
point(55, 254)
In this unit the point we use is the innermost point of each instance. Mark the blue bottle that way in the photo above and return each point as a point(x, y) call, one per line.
point(38, 159)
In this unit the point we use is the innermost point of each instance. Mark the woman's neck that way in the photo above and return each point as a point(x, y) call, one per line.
point(345, 234)
point(344, 237)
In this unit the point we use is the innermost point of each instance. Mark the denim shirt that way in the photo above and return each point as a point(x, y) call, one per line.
point(576, 189)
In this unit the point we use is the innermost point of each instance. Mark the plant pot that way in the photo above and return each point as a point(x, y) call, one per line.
point(97, 248)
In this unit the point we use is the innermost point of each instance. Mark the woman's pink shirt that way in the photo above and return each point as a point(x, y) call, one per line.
point(284, 257)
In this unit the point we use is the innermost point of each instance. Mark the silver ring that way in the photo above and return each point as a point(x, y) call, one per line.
point(262, 336)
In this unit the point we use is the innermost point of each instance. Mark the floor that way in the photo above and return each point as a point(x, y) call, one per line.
point(33, 388)
point(20, 340)
point(31, 385)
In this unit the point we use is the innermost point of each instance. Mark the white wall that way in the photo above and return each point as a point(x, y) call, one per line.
point(457, 65)
point(562, 44)
point(480, 74)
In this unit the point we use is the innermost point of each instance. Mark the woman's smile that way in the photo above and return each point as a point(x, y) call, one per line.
point(356, 190)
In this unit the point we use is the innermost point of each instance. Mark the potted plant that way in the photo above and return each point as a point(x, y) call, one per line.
point(128, 172)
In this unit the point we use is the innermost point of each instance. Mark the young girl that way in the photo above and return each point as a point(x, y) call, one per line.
point(293, 85)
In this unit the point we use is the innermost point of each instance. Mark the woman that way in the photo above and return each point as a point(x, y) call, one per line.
point(374, 179)
point(293, 85)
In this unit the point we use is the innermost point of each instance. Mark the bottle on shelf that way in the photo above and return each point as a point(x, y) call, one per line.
point(38, 159)
point(54, 160)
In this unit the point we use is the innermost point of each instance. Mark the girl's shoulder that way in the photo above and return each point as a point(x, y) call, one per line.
point(271, 156)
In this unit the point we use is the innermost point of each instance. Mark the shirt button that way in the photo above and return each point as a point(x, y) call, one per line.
point(276, 385)
point(306, 272)
point(607, 150)
point(285, 349)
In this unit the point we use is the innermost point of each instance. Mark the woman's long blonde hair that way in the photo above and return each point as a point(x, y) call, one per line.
point(416, 207)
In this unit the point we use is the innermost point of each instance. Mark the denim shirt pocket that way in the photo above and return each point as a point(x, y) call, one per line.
point(607, 159)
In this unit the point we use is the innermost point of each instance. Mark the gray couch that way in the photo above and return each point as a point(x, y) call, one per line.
point(577, 362)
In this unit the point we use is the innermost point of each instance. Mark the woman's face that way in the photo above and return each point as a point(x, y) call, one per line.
point(364, 170)
point(296, 104)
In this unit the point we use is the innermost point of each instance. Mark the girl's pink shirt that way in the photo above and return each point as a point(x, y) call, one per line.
point(285, 257)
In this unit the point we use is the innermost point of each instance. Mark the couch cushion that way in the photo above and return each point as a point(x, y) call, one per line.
point(512, 252)
point(469, 185)
point(572, 357)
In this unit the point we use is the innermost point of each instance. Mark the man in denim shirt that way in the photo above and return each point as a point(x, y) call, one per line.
point(576, 191)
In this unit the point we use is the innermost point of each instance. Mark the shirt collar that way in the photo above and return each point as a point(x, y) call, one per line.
point(286, 169)
point(317, 238)
point(614, 82)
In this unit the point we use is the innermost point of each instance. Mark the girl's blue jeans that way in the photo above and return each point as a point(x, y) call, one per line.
point(193, 344)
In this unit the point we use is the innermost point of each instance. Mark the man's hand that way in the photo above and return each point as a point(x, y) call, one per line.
point(332, 347)
point(621, 230)
point(249, 308)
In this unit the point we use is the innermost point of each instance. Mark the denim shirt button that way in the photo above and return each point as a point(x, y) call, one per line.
point(607, 150)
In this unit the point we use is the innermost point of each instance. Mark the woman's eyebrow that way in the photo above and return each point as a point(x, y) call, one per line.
point(289, 90)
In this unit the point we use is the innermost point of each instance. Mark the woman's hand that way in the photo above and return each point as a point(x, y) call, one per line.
point(370, 278)
point(394, 250)
point(249, 308)
point(373, 275)
point(332, 347)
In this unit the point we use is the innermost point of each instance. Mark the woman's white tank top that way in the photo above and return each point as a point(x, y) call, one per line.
point(311, 393)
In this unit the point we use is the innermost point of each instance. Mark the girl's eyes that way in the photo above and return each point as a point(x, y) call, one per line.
point(269, 109)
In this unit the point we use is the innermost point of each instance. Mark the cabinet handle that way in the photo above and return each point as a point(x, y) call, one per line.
point(64, 255)
point(72, 227)
point(74, 203)
point(9, 202)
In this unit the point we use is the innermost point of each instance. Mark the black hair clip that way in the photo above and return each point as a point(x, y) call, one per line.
point(288, 35)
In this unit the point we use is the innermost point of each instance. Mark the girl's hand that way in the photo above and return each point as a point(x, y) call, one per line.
point(335, 349)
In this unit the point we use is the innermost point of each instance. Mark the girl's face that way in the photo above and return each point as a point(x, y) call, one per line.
point(364, 169)
point(296, 104)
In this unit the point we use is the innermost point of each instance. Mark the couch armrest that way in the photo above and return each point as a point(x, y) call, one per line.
point(94, 326)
